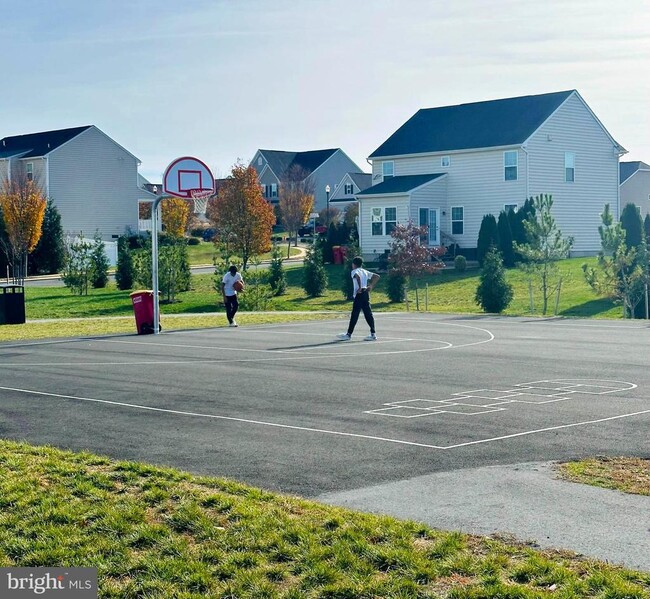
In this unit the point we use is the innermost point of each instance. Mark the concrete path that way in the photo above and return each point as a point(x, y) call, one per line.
point(527, 501)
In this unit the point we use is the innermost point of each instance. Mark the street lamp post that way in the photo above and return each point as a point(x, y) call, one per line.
point(327, 193)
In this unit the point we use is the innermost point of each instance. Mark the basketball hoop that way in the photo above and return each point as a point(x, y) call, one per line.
point(200, 198)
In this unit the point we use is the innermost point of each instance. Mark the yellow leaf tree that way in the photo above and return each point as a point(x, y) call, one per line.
point(23, 204)
point(175, 215)
point(242, 217)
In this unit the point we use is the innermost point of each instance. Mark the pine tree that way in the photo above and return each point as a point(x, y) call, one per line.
point(505, 240)
point(494, 293)
point(314, 276)
point(100, 263)
point(49, 254)
point(488, 236)
point(277, 276)
point(633, 225)
point(124, 273)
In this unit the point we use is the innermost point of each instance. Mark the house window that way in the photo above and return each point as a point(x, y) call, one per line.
point(391, 219)
point(349, 190)
point(30, 171)
point(377, 221)
point(457, 220)
point(445, 161)
point(271, 191)
point(259, 161)
point(569, 167)
point(508, 207)
point(510, 165)
point(388, 169)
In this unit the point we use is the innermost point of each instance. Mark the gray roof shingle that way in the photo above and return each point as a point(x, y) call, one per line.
point(627, 169)
point(39, 144)
point(401, 184)
point(487, 124)
point(280, 161)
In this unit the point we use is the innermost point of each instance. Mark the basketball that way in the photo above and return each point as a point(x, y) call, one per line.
point(238, 286)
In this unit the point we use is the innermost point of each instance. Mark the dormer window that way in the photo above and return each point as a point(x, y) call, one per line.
point(388, 169)
point(348, 189)
point(445, 161)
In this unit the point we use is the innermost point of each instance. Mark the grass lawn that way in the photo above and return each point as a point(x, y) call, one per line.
point(203, 253)
point(629, 475)
point(449, 291)
point(160, 533)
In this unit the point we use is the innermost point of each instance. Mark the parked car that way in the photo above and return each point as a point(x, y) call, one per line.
point(305, 230)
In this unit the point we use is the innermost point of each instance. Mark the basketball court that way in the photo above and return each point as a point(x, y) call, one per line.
point(290, 408)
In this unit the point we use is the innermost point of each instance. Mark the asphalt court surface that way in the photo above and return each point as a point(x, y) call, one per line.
point(289, 408)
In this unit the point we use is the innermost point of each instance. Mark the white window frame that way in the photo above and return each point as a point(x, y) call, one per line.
point(445, 161)
point(508, 207)
point(389, 222)
point(453, 220)
point(384, 164)
point(569, 159)
point(376, 216)
point(274, 190)
point(29, 171)
point(507, 166)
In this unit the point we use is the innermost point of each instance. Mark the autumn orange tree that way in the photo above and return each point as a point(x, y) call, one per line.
point(242, 217)
point(296, 201)
point(23, 204)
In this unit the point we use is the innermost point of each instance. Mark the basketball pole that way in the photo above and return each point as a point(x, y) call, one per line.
point(154, 262)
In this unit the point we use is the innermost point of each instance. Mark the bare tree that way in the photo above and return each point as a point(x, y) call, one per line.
point(296, 200)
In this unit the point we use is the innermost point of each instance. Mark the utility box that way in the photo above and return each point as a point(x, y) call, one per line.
point(12, 304)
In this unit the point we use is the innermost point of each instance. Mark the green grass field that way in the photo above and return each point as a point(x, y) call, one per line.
point(203, 253)
point(159, 533)
point(450, 292)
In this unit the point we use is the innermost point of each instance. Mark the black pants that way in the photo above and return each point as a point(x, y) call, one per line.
point(361, 302)
point(232, 305)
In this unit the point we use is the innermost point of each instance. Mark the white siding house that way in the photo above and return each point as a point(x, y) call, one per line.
point(323, 167)
point(495, 154)
point(92, 180)
point(635, 185)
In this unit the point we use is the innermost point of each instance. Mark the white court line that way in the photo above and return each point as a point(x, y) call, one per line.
point(318, 430)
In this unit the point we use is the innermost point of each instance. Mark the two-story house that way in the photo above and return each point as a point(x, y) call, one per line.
point(635, 185)
point(92, 179)
point(447, 167)
point(347, 189)
point(324, 169)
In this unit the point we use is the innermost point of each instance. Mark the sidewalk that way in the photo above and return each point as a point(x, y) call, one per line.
point(523, 500)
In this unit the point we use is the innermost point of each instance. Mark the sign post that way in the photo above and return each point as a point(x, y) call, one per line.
point(187, 178)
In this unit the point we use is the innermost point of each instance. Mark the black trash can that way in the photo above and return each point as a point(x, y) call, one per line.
point(12, 304)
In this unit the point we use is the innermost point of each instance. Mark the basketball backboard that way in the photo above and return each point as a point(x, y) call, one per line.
point(188, 178)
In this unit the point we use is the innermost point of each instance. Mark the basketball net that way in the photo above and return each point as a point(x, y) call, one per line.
point(200, 198)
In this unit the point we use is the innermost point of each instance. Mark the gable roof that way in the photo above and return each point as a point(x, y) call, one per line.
point(627, 169)
point(361, 180)
point(402, 184)
point(280, 161)
point(34, 145)
point(494, 123)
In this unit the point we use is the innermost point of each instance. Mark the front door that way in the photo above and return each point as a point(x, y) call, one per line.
point(430, 217)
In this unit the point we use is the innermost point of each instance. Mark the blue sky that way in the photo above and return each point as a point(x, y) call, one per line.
point(219, 79)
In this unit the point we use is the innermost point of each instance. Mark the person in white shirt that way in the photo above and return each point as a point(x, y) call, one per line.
point(363, 281)
point(230, 294)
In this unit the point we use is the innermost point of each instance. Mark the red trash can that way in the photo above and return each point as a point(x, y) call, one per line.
point(336, 254)
point(344, 253)
point(143, 311)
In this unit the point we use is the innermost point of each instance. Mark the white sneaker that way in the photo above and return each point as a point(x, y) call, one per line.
point(371, 337)
point(344, 337)
point(233, 324)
